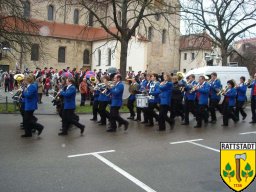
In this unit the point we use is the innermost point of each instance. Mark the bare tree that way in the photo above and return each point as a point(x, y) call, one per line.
point(125, 16)
point(225, 20)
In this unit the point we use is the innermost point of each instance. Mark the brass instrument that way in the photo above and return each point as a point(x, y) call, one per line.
point(248, 82)
point(194, 88)
point(92, 79)
point(133, 88)
point(109, 85)
point(222, 91)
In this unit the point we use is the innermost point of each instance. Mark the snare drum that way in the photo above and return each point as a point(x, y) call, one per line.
point(141, 101)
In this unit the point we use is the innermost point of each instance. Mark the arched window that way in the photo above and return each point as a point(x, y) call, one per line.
point(150, 33)
point(164, 36)
point(109, 57)
point(90, 21)
point(61, 54)
point(26, 7)
point(50, 12)
point(86, 59)
point(99, 57)
point(76, 16)
point(35, 52)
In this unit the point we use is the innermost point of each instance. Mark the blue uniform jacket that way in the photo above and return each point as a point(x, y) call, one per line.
point(69, 97)
point(204, 94)
point(96, 95)
point(117, 95)
point(30, 97)
point(241, 92)
point(190, 96)
point(252, 87)
point(104, 96)
point(143, 85)
point(154, 91)
point(231, 95)
point(215, 88)
point(165, 95)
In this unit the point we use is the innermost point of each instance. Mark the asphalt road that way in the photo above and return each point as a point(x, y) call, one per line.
point(142, 159)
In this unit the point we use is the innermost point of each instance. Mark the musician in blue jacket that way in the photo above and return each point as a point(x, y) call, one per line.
point(165, 102)
point(154, 92)
point(241, 98)
point(142, 90)
point(116, 103)
point(104, 100)
point(214, 97)
point(69, 108)
point(30, 101)
point(253, 99)
point(189, 97)
point(95, 105)
point(229, 103)
point(202, 94)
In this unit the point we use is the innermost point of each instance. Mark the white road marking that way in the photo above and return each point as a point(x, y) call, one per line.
point(116, 168)
point(193, 142)
point(247, 133)
point(124, 173)
point(86, 154)
point(178, 142)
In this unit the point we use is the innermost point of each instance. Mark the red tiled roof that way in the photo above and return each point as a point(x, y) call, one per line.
point(59, 30)
point(195, 42)
point(251, 40)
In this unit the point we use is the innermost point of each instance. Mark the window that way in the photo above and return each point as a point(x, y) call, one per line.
point(76, 16)
point(109, 57)
point(50, 12)
point(185, 56)
point(90, 21)
point(164, 36)
point(99, 57)
point(150, 33)
point(184, 70)
point(26, 7)
point(86, 59)
point(61, 54)
point(157, 16)
point(119, 17)
point(35, 52)
point(193, 56)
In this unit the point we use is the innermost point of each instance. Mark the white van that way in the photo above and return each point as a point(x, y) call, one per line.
point(224, 73)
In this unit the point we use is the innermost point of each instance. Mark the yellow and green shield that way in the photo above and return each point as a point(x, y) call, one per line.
point(237, 164)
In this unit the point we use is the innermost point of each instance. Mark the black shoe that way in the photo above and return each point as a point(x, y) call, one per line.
point(126, 125)
point(62, 133)
point(82, 129)
point(213, 121)
point(185, 123)
point(144, 122)
point(244, 117)
point(137, 119)
point(197, 126)
point(252, 122)
point(150, 125)
point(131, 117)
point(224, 125)
point(40, 130)
point(99, 122)
point(93, 119)
point(23, 136)
point(102, 124)
point(111, 130)
point(161, 130)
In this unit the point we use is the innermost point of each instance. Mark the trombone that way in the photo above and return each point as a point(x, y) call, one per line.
point(222, 91)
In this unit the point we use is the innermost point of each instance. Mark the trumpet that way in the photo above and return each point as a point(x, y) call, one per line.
point(194, 88)
point(248, 82)
point(222, 91)
point(109, 85)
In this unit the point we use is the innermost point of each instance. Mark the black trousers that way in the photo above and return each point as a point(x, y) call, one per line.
point(176, 108)
point(163, 117)
point(40, 95)
point(6, 87)
point(95, 109)
point(239, 109)
point(151, 113)
point(115, 117)
point(189, 107)
point(213, 104)
point(228, 112)
point(201, 114)
point(130, 105)
point(68, 119)
point(253, 108)
point(83, 98)
point(30, 122)
point(104, 114)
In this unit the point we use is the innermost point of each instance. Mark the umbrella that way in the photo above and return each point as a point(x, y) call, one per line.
point(89, 74)
point(66, 74)
point(112, 70)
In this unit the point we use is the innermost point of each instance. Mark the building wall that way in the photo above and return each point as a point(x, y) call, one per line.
point(136, 58)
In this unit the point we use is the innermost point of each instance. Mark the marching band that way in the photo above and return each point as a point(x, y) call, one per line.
point(154, 98)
